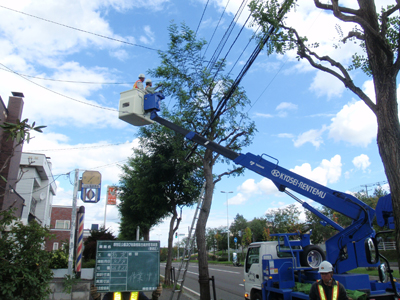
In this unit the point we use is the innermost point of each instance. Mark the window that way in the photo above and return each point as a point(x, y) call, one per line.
point(62, 224)
point(55, 246)
point(253, 256)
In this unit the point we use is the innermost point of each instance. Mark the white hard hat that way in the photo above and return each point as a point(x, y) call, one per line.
point(141, 75)
point(325, 267)
point(148, 80)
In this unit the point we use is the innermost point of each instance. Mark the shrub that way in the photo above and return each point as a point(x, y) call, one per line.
point(25, 273)
point(59, 259)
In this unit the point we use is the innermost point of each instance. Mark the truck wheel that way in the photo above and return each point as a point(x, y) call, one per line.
point(312, 256)
point(256, 296)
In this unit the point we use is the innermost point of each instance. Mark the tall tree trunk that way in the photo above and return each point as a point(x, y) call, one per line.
point(389, 149)
point(388, 138)
point(172, 229)
point(201, 230)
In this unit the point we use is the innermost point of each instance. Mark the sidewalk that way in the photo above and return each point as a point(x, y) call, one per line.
point(166, 295)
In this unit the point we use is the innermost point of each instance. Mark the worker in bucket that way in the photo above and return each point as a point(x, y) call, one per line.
point(327, 288)
point(139, 83)
point(149, 87)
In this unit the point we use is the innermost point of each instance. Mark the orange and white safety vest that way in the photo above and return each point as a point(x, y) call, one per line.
point(135, 84)
point(133, 296)
point(335, 291)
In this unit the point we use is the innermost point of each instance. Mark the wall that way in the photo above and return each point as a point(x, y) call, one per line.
point(7, 196)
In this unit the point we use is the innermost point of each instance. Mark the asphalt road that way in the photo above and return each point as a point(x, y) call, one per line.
point(228, 280)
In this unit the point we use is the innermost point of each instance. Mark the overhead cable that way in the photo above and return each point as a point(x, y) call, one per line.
point(220, 18)
point(81, 30)
point(57, 93)
point(204, 10)
point(68, 81)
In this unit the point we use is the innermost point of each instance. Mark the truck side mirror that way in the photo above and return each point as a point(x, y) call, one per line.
point(371, 250)
point(382, 273)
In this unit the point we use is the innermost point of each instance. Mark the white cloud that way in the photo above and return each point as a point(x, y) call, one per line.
point(287, 106)
point(328, 171)
point(361, 162)
point(263, 115)
point(354, 124)
point(312, 136)
point(285, 135)
point(100, 155)
point(325, 84)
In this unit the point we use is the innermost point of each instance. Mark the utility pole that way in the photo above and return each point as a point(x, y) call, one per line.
point(73, 224)
point(227, 222)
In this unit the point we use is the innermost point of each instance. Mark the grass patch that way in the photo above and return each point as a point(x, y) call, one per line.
point(373, 272)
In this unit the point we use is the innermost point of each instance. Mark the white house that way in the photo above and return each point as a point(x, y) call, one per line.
point(37, 186)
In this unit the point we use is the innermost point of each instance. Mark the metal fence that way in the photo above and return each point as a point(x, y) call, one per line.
point(387, 246)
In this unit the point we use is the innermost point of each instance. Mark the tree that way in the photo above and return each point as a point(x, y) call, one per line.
point(247, 237)
point(321, 233)
point(103, 234)
point(157, 175)
point(377, 35)
point(257, 226)
point(238, 224)
point(25, 273)
point(284, 220)
point(199, 92)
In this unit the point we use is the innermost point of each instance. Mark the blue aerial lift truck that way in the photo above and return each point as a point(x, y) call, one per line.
point(292, 258)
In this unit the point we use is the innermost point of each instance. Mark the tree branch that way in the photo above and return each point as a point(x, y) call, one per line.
point(219, 177)
point(355, 34)
point(304, 52)
point(356, 18)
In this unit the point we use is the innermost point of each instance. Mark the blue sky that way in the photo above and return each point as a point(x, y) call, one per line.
point(305, 119)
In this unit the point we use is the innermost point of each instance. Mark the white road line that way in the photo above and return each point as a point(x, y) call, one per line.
point(241, 284)
point(192, 273)
point(194, 292)
point(224, 271)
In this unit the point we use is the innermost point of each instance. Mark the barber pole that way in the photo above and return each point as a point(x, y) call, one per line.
point(79, 248)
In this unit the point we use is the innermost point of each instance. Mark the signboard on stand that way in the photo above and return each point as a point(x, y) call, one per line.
point(91, 186)
point(112, 195)
point(127, 266)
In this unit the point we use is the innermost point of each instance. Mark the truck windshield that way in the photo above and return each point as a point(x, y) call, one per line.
point(253, 257)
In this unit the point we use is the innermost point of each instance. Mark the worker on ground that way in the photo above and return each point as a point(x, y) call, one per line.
point(125, 296)
point(149, 87)
point(327, 288)
point(139, 83)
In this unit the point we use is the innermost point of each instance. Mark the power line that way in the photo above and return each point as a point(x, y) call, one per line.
point(57, 93)
point(68, 81)
point(204, 10)
point(81, 30)
point(220, 18)
point(77, 148)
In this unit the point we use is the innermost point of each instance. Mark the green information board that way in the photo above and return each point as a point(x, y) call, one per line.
point(127, 266)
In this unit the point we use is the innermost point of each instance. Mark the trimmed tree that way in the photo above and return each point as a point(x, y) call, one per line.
point(377, 35)
point(197, 91)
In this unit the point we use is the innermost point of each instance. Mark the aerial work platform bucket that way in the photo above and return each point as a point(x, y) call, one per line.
point(131, 108)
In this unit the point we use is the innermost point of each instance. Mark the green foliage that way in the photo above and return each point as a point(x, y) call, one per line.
point(247, 237)
point(59, 259)
point(69, 282)
point(20, 131)
point(24, 265)
point(284, 220)
point(267, 13)
point(238, 224)
point(197, 89)
point(91, 263)
point(156, 174)
point(103, 234)
point(321, 233)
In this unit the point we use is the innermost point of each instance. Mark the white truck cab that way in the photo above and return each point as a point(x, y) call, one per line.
point(310, 256)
